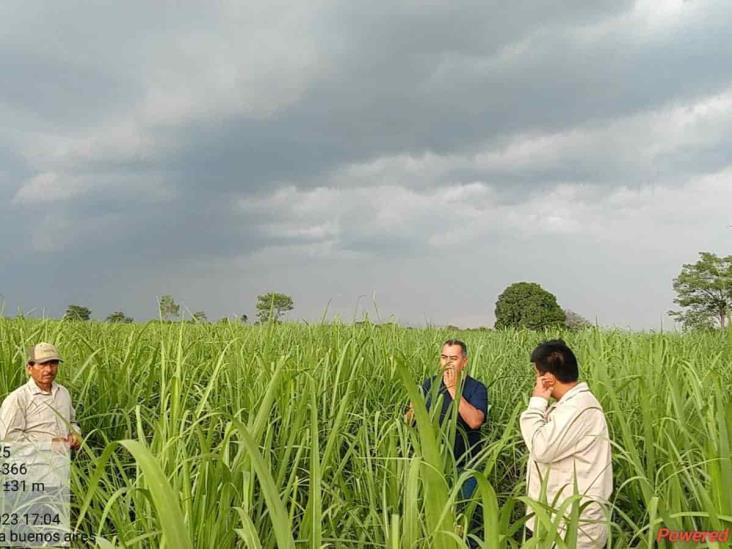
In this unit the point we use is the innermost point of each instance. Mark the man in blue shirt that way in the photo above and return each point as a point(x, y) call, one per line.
point(472, 408)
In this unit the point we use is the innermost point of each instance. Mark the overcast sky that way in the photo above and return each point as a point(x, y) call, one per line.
point(341, 152)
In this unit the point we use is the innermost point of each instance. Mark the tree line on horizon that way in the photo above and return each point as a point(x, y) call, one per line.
point(703, 292)
point(271, 307)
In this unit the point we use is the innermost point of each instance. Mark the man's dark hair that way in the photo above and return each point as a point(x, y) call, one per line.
point(556, 358)
point(451, 342)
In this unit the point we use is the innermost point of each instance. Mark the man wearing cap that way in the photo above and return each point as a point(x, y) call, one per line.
point(40, 410)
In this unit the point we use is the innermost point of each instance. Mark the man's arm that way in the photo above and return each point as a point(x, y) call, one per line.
point(73, 421)
point(409, 415)
point(474, 416)
point(470, 414)
point(12, 419)
point(558, 437)
point(74, 436)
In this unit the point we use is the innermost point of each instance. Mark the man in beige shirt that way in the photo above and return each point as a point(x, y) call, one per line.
point(568, 442)
point(40, 410)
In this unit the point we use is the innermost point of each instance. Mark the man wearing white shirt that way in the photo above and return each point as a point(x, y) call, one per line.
point(41, 409)
point(39, 421)
point(568, 442)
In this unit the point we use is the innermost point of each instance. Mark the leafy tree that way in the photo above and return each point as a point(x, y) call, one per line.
point(528, 305)
point(169, 309)
point(695, 320)
point(119, 316)
point(77, 312)
point(272, 306)
point(575, 321)
point(704, 291)
point(200, 316)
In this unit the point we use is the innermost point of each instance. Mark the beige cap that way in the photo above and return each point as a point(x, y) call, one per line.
point(43, 352)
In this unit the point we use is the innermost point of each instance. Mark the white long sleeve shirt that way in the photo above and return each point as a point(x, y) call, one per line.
point(569, 440)
point(29, 414)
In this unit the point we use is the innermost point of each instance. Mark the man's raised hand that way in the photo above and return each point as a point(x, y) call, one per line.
point(543, 387)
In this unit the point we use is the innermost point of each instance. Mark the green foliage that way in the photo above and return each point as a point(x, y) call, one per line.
point(528, 305)
point(695, 319)
point(261, 436)
point(704, 291)
point(119, 316)
point(243, 319)
point(200, 317)
point(272, 306)
point(575, 321)
point(169, 309)
point(77, 312)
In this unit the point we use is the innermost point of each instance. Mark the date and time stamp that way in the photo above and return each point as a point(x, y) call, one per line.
point(35, 497)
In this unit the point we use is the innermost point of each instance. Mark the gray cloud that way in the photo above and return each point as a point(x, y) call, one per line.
point(385, 95)
point(146, 142)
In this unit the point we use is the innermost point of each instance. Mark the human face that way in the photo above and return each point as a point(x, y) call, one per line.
point(452, 357)
point(43, 374)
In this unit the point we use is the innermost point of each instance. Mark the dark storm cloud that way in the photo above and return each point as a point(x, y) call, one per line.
point(410, 83)
point(135, 131)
